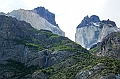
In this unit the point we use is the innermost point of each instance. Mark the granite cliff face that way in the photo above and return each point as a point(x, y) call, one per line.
point(38, 21)
point(91, 30)
point(44, 13)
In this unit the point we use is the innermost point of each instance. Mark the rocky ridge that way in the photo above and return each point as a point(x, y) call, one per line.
point(37, 21)
point(91, 30)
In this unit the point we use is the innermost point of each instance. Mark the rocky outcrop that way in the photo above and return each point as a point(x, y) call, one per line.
point(91, 30)
point(96, 72)
point(87, 73)
point(38, 75)
point(36, 21)
point(110, 46)
point(44, 13)
point(2, 13)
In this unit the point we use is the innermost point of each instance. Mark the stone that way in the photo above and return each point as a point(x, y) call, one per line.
point(82, 75)
point(110, 76)
point(88, 73)
point(44, 13)
point(38, 75)
point(91, 31)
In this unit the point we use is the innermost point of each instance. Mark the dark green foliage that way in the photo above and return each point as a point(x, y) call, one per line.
point(88, 61)
point(112, 65)
point(19, 69)
point(94, 50)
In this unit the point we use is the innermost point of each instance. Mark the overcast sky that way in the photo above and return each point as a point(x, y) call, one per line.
point(69, 13)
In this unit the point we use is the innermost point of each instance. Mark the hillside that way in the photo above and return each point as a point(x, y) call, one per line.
point(24, 49)
point(28, 53)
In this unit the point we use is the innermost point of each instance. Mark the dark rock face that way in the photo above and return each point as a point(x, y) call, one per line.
point(110, 46)
point(94, 19)
point(109, 22)
point(86, 21)
point(44, 13)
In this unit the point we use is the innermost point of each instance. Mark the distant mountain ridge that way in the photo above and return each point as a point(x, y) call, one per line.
point(91, 30)
point(39, 18)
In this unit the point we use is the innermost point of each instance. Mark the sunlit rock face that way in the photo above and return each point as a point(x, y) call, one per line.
point(36, 20)
point(91, 30)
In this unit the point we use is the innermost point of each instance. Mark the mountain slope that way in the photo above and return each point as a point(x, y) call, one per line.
point(28, 53)
point(91, 30)
point(24, 49)
point(35, 20)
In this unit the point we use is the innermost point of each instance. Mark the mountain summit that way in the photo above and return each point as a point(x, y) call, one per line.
point(86, 21)
point(91, 30)
point(44, 13)
point(39, 18)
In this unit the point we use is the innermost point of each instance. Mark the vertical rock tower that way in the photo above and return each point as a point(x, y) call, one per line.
point(91, 30)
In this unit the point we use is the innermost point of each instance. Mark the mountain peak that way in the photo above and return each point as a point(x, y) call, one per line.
point(44, 13)
point(112, 23)
point(94, 18)
point(91, 30)
point(86, 21)
point(36, 20)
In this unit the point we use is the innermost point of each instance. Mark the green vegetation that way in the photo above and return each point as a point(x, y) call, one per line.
point(19, 69)
point(94, 50)
point(112, 65)
point(32, 45)
point(65, 71)
point(54, 36)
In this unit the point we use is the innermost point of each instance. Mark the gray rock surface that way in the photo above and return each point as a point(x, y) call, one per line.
point(91, 31)
point(35, 20)
point(44, 13)
point(38, 75)
point(110, 76)
point(110, 46)
point(96, 73)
